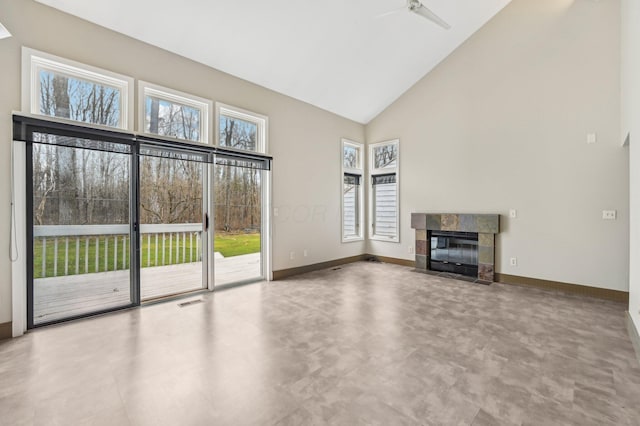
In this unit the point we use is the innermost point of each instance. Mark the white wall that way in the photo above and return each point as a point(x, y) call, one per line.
point(504, 120)
point(631, 123)
point(304, 140)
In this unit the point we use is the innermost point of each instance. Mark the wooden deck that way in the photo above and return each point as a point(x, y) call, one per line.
point(63, 297)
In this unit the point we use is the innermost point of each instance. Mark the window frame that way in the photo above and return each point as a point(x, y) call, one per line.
point(261, 121)
point(373, 171)
point(360, 194)
point(174, 96)
point(33, 61)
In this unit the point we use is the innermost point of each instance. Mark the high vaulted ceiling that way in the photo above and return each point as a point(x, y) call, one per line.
point(339, 55)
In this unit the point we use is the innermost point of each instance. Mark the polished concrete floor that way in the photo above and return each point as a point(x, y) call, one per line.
point(369, 343)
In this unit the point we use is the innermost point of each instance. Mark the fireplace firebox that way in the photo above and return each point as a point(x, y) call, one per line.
point(455, 252)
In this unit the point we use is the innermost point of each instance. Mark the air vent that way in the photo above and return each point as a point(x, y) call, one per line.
point(189, 303)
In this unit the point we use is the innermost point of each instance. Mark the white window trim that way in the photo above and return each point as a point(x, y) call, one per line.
point(357, 171)
point(33, 61)
point(262, 121)
point(204, 105)
point(373, 172)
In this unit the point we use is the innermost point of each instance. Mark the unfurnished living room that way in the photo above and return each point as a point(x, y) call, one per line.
point(338, 212)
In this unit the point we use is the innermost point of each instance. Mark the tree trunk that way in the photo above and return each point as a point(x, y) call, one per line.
point(66, 156)
point(154, 116)
point(61, 96)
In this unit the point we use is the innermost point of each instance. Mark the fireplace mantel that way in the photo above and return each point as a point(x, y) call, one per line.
point(486, 225)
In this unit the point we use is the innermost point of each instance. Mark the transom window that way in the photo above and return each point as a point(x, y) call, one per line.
point(352, 194)
point(384, 158)
point(241, 129)
point(65, 89)
point(179, 115)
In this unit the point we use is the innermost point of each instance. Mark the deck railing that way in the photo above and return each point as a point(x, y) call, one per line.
point(82, 249)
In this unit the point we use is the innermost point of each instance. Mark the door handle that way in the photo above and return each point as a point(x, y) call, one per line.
point(206, 222)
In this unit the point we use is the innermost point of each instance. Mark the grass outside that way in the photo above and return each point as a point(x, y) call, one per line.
point(182, 248)
point(237, 244)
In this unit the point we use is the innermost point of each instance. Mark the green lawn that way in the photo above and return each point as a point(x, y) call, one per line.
point(178, 250)
point(236, 244)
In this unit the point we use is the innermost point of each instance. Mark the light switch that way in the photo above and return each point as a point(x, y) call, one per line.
point(591, 138)
point(513, 213)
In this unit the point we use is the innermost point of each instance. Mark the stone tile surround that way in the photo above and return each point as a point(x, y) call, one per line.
point(486, 225)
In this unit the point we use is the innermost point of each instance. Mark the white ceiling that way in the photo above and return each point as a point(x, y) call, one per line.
point(335, 54)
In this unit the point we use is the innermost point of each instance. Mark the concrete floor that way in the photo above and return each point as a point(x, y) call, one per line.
point(365, 344)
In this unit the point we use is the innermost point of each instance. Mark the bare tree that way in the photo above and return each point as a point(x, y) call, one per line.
point(69, 183)
point(82, 186)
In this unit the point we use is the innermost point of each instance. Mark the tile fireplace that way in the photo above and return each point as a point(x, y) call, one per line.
point(457, 243)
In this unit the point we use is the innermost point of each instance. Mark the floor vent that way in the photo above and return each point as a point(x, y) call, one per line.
point(336, 269)
point(189, 303)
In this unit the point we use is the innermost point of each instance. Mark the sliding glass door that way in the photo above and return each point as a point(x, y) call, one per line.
point(115, 219)
point(80, 198)
point(173, 222)
point(238, 222)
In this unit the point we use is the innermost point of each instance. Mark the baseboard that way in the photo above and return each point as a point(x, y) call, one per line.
point(285, 273)
point(633, 335)
point(600, 293)
point(5, 330)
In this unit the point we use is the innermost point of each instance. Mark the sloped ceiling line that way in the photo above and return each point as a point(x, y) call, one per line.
point(339, 55)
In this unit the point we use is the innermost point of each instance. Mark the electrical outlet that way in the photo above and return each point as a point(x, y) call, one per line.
point(513, 261)
point(410, 249)
point(609, 214)
point(275, 212)
point(304, 253)
point(513, 213)
point(592, 137)
point(292, 255)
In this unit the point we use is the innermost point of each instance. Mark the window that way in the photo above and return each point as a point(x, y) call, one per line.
point(167, 112)
point(352, 199)
point(61, 88)
point(384, 158)
point(241, 129)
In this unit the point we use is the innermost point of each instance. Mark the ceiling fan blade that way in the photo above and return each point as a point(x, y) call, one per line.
point(391, 12)
point(421, 10)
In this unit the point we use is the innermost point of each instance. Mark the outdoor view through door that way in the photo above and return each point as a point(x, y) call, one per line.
point(115, 219)
point(172, 226)
point(238, 205)
point(81, 245)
